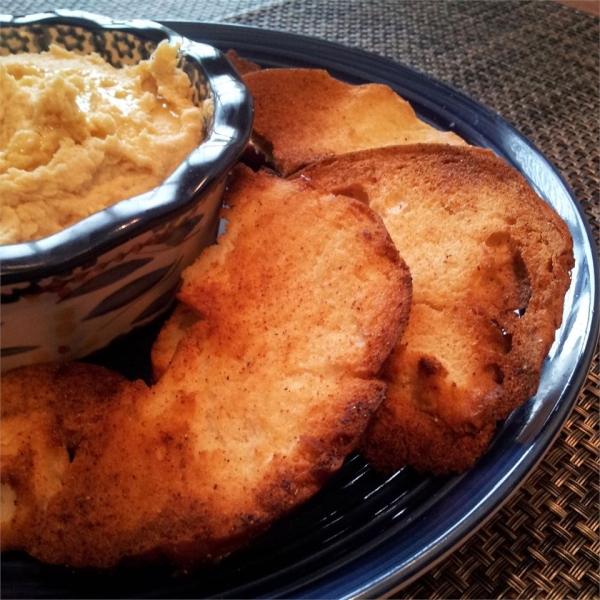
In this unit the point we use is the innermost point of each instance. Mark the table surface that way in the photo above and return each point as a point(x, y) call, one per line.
point(535, 63)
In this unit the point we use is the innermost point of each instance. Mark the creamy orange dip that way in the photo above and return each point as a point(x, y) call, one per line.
point(78, 135)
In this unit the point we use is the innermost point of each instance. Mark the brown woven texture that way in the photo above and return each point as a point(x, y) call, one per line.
point(544, 542)
point(536, 63)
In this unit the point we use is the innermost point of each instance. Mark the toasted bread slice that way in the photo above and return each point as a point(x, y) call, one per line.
point(490, 263)
point(305, 115)
point(170, 334)
point(301, 302)
point(49, 412)
point(241, 65)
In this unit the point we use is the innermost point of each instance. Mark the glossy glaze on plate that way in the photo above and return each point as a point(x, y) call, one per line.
point(365, 534)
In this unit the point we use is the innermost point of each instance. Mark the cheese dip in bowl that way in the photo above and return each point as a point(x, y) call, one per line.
point(116, 141)
point(78, 135)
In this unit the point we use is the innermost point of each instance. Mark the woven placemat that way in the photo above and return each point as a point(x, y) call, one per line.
point(536, 63)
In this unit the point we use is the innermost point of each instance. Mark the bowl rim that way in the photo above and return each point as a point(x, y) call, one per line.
point(106, 229)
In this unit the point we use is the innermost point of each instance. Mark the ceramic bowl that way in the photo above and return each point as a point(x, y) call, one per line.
point(69, 294)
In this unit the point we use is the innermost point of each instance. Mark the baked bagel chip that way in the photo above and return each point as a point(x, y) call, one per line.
point(301, 302)
point(240, 64)
point(304, 115)
point(490, 263)
point(49, 413)
point(170, 334)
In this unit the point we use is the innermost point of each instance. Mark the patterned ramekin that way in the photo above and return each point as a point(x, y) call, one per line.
point(73, 292)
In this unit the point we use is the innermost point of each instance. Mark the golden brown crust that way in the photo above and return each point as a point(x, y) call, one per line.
point(490, 263)
point(301, 302)
point(241, 65)
point(304, 115)
point(49, 414)
point(169, 336)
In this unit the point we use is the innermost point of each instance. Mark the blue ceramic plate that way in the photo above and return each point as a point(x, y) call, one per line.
point(364, 535)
